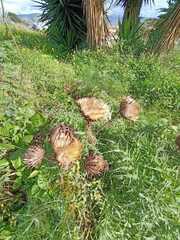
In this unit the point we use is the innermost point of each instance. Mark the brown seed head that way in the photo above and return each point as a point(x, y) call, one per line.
point(61, 136)
point(38, 139)
point(94, 109)
point(69, 154)
point(34, 156)
point(95, 165)
point(129, 108)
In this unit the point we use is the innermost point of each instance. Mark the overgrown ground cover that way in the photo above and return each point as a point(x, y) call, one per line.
point(139, 197)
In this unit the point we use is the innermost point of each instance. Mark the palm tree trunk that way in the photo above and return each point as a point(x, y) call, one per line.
point(132, 12)
point(3, 11)
point(95, 20)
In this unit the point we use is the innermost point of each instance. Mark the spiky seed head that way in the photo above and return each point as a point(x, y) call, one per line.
point(61, 136)
point(94, 109)
point(129, 99)
point(34, 156)
point(129, 108)
point(95, 165)
point(69, 154)
point(178, 141)
point(38, 139)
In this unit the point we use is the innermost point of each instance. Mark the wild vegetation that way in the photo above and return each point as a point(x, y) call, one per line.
point(88, 146)
point(138, 198)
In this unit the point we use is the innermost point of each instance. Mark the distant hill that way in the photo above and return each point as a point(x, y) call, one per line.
point(30, 18)
point(12, 18)
point(31, 21)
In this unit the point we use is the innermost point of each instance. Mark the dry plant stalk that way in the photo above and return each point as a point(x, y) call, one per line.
point(178, 141)
point(90, 135)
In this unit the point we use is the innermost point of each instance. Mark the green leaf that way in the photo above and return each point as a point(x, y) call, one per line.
point(19, 174)
point(42, 182)
point(38, 120)
point(17, 183)
point(27, 139)
point(5, 235)
point(4, 163)
point(7, 146)
point(17, 163)
point(34, 189)
point(33, 174)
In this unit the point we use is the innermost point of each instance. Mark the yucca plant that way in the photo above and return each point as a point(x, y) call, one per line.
point(64, 19)
point(130, 30)
point(167, 29)
point(131, 40)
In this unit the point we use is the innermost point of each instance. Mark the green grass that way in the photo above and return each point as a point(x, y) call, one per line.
point(138, 199)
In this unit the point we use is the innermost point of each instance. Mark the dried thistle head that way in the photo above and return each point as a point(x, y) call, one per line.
point(38, 139)
point(129, 108)
point(94, 109)
point(34, 156)
point(61, 136)
point(69, 154)
point(95, 165)
point(178, 141)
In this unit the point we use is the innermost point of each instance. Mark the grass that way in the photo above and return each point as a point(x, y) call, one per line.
point(138, 199)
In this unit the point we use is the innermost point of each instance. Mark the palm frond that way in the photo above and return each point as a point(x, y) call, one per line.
point(167, 29)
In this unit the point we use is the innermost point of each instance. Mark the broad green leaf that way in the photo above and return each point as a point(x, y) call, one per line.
point(19, 174)
point(27, 139)
point(17, 163)
point(33, 174)
point(38, 120)
point(5, 235)
point(7, 146)
point(4, 163)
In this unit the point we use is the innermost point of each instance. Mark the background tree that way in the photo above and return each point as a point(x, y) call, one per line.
point(132, 11)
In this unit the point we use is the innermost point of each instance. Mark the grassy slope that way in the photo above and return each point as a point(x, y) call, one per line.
point(138, 198)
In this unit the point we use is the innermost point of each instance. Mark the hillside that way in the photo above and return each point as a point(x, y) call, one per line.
point(138, 198)
point(33, 17)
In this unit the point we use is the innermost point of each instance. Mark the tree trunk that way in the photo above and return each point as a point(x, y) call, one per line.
point(4, 17)
point(95, 20)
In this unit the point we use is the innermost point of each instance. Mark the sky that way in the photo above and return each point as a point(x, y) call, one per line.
point(27, 6)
